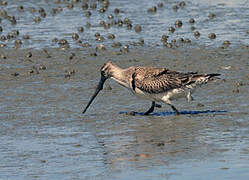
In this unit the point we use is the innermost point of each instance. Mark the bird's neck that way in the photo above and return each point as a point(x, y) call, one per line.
point(120, 76)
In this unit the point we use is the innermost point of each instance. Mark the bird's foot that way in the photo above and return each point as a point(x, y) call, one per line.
point(158, 105)
point(177, 113)
point(147, 113)
point(132, 113)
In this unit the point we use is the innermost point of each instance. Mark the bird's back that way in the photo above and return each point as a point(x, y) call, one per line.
point(159, 80)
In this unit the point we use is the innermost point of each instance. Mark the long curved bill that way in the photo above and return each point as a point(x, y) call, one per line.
point(98, 89)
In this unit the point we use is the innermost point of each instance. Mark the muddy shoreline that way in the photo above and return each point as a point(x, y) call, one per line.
point(42, 126)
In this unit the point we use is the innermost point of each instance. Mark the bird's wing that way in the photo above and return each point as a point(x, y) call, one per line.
point(158, 80)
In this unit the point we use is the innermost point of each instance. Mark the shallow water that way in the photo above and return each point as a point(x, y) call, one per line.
point(231, 22)
point(43, 134)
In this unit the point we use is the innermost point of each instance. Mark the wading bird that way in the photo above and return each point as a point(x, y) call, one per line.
point(154, 84)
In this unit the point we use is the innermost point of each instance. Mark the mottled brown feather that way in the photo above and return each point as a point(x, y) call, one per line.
point(158, 80)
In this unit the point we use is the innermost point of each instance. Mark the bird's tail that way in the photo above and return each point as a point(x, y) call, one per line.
point(212, 77)
point(200, 79)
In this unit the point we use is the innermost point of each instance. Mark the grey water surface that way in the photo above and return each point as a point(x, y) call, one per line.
point(44, 135)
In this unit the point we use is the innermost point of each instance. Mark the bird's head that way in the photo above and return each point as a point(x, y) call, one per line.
point(106, 72)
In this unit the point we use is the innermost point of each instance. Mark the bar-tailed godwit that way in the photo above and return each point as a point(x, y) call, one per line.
point(152, 83)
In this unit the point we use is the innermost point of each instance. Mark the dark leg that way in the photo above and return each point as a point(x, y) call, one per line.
point(158, 105)
point(151, 108)
point(174, 109)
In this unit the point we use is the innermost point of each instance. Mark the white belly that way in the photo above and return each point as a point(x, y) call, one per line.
point(161, 97)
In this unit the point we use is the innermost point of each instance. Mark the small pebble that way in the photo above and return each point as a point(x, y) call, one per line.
point(84, 6)
point(100, 47)
point(181, 4)
point(200, 105)
point(197, 34)
point(75, 36)
point(193, 28)
point(93, 54)
point(42, 67)
point(192, 21)
point(138, 28)
point(116, 11)
point(141, 42)
point(211, 15)
point(26, 36)
point(178, 24)
point(226, 42)
point(88, 13)
point(110, 16)
point(71, 55)
point(80, 29)
point(116, 44)
point(212, 36)
point(171, 29)
point(29, 55)
point(108, 87)
point(175, 7)
point(15, 74)
point(160, 144)
point(160, 5)
point(111, 36)
point(37, 19)
point(236, 90)
point(152, 9)
point(93, 5)
point(132, 113)
point(3, 56)
point(187, 41)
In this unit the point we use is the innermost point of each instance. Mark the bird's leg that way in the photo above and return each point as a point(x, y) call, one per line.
point(189, 97)
point(158, 105)
point(174, 109)
point(151, 108)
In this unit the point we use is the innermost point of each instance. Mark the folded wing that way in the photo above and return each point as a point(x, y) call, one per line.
point(158, 80)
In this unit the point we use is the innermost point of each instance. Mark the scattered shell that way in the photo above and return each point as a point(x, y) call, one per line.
point(175, 7)
point(110, 16)
point(197, 34)
point(187, 41)
point(160, 5)
point(212, 36)
point(171, 29)
point(75, 36)
point(191, 20)
point(85, 6)
point(108, 87)
point(192, 28)
point(15, 74)
point(152, 9)
point(211, 15)
point(141, 42)
point(226, 42)
point(178, 24)
point(116, 44)
point(42, 67)
point(138, 28)
point(80, 29)
point(71, 56)
point(181, 4)
point(93, 5)
point(116, 11)
point(111, 36)
point(37, 19)
point(100, 47)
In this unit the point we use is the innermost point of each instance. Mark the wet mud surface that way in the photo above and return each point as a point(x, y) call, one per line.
point(49, 68)
point(44, 135)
